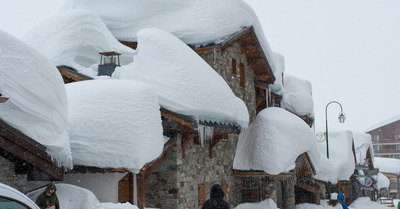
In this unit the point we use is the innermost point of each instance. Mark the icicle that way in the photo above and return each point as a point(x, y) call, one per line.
point(205, 133)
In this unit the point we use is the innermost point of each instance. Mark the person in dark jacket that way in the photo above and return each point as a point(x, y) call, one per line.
point(48, 199)
point(216, 200)
point(340, 198)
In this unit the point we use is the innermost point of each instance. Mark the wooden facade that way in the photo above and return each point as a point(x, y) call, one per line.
point(386, 140)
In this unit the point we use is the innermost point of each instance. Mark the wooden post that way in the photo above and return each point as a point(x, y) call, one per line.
point(141, 189)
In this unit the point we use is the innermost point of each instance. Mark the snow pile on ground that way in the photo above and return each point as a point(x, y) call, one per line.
point(366, 203)
point(309, 206)
point(71, 196)
point(273, 142)
point(266, 204)
point(387, 165)
point(75, 38)
point(185, 83)
point(297, 97)
point(341, 156)
point(114, 123)
point(38, 102)
point(362, 145)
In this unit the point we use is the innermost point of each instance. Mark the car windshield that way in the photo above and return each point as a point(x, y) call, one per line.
point(11, 204)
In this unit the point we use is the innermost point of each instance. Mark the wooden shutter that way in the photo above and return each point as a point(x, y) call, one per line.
point(233, 66)
point(242, 75)
point(202, 194)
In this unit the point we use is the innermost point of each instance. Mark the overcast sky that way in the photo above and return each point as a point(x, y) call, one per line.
point(348, 49)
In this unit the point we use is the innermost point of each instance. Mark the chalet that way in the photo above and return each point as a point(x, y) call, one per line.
point(386, 138)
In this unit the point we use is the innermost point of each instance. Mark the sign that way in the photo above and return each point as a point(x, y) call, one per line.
point(368, 182)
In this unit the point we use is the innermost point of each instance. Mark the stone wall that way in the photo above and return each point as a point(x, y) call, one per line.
point(222, 64)
point(175, 183)
point(8, 176)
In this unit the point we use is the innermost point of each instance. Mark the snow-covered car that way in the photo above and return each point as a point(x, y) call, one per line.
point(11, 198)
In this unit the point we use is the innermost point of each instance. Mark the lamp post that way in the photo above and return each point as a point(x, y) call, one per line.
point(341, 117)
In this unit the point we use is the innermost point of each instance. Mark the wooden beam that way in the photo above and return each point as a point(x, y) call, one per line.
point(19, 148)
point(71, 75)
point(3, 99)
point(177, 118)
point(208, 49)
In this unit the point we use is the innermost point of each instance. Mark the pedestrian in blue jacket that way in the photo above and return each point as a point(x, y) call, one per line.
point(340, 197)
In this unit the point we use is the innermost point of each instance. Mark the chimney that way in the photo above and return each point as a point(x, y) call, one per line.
point(108, 62)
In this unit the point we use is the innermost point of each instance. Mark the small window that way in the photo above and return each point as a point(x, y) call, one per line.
point(376, 138)
point(233, 67)
point(397, 137)
point(242, 75)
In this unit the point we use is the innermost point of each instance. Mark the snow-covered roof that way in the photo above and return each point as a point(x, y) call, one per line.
point(297, 97)
point(38, 103)
point(387, 165)
point(274, 141)
point(75, 38)
point(341, 157)
point(185, 83)
point(384, 123)
point(362, 142)
point(114, 123)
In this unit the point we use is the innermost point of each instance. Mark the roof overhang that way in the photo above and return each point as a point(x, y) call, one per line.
point(29, 156)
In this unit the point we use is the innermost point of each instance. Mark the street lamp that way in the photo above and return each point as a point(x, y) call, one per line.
point(341, 117)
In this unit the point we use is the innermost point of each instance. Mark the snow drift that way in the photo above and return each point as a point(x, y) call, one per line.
point(38, 102)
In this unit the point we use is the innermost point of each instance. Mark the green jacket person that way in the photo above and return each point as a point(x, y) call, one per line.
point(48, 199)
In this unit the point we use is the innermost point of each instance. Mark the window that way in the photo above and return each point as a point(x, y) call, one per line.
point(242, 75)
point(8, 203)
point(233, 67)
point(376, 138)
point(376, 148)
point(397, 137)
point(398, 147)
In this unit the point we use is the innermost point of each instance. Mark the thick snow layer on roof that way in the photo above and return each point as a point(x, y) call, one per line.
point(114, 123)
point(194, 22)
point(362, 145)
point(297, 97)
point(382, 181)
point(75, 38)
point(38, 102)
point(341, 158)
point(383, 123)
point(387, 165)
point(273, 142)
point(278, 62)
point(185, 83)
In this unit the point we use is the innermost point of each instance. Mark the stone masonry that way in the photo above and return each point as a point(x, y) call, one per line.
point(8, 176)
point(175, 183)
point(222, 64)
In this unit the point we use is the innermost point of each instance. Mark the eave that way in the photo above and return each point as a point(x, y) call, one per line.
point(29, 156)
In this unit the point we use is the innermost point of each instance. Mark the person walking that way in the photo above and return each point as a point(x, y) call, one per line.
point(48, 199)
point(333, 203)
point(216, 200)
point(340, 198)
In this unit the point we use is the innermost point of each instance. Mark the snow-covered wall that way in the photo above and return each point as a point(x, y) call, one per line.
point(38, 102)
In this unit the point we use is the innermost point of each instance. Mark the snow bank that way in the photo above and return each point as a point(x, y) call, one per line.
point(114, 124)
point(297, 97)
point(185, 83)
point(273, 142)
point(366, 203)
point(266, 204)
point(309, 206)
point(71, 196)
point(387, 165)
point(38, 102)
point(341, 158)
point(74, 38)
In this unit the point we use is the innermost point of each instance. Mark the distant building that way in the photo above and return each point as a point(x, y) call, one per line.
point(386, 138)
